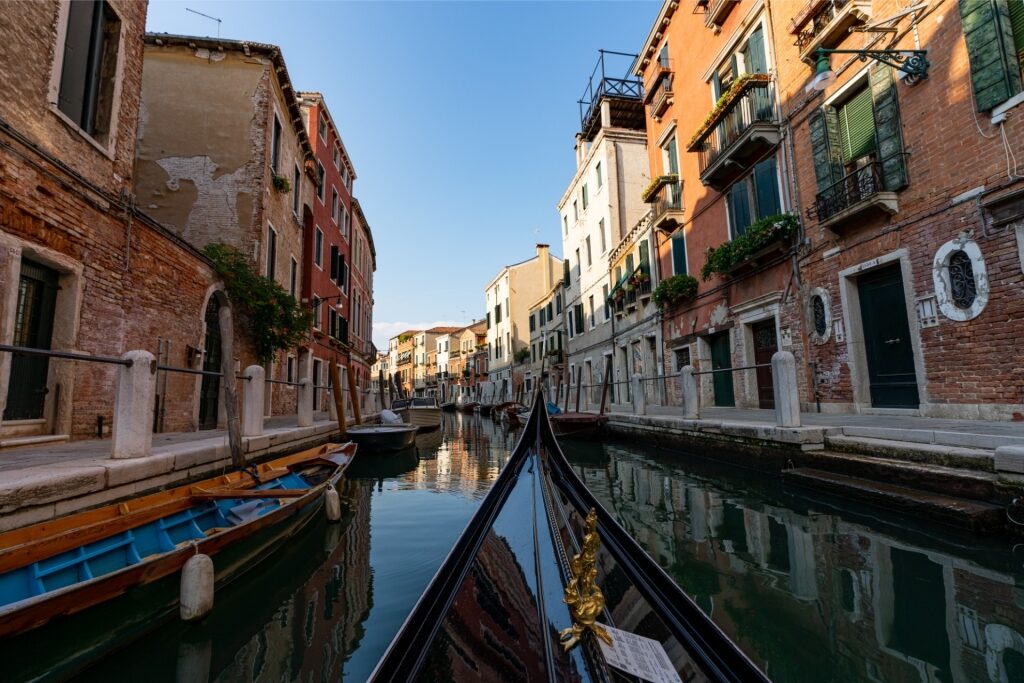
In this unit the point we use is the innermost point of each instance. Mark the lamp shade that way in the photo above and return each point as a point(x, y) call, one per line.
point(824, 76)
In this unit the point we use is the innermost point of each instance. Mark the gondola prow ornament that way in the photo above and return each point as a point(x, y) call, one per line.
point(582, 594)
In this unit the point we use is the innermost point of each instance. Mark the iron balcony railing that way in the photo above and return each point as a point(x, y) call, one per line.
point(668, 198)
point(821, 19)
point(631, 288)
point(861, 184)
point(601, 85)
point(755, 105)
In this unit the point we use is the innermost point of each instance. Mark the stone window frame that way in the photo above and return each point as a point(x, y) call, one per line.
point(56, 71)
point(826, 299)
point(943, 287)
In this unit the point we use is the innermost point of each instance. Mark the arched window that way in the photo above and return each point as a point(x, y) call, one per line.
point(961, 280)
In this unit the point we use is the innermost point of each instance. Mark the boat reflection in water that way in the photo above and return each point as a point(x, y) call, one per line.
point(812, 593)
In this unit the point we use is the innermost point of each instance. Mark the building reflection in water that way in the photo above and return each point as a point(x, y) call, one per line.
point(818, 597)
point(467, 458)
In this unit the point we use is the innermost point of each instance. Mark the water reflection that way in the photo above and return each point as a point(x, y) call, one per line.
point(813, 596)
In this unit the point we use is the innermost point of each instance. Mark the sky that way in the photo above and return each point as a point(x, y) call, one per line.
point(459, 117)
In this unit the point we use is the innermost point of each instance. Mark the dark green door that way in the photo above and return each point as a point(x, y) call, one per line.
point(210, 389)
point(721, 358)
point(883, 311)
point(33, 328)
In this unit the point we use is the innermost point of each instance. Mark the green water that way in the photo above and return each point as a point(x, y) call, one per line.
point(810, 591)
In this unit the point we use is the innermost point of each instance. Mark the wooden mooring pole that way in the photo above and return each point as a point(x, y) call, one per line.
point(605, 383)
point(353, 393)
point(579, 386)
point(227, 374)
point(339, 400)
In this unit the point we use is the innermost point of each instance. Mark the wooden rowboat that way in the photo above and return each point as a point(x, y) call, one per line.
point(383, 438)
point(508, 603)
point(421, 412)
point(63, 567)
point(578, 425)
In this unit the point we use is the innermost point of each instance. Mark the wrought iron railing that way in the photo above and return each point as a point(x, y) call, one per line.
point(668, 198)
point(821, 19)
point(662, 91)
point(859, 185)
point(601, 85)
point(755, 105)
point(631, 288)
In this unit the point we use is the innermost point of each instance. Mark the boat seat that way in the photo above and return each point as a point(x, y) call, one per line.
point(84, 563)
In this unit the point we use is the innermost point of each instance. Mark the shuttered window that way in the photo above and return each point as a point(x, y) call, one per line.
point(1016, 8)
point(857, 126)
point(678, 255)
point(334, 263)
point(989, 33)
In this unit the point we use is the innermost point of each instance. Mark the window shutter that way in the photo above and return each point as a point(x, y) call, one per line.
point(766, 188)
point(342, 271)
point(888, 131)
point(1016, 14)
point(995, 74)
point(857, 126)
point(565, 273)
point(579, 318)
point(738, 202)
point(334, 263)
point(825, 148)
point(754, 56)
point(679, 254)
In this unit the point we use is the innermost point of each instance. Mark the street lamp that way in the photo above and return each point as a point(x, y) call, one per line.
point(911, 62)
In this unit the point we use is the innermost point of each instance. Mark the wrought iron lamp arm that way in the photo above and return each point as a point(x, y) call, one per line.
point(911, 62)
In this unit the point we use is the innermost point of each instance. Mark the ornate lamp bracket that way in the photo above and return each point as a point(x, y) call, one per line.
point(913, 63)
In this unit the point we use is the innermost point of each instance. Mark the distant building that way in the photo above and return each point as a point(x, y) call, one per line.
point(364, 264)
point(547, 342)
point(508, 297)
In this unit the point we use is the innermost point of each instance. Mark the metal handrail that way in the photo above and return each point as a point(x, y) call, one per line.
point(853, 188)
point(755, 105)
point(742, 367)
point(66, 355)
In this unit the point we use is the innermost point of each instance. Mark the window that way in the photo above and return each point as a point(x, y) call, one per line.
point(590, 301)
point(346, 220)
point(994, 33)
point(291, 369)
point(89, 67)
point(543, 319)
point(271, 252)
point(575, 211)
point(682, 357)
point(497, 314)
point(332, 323)
point(607, 308)
point(857, 127)
point(565, 224)
point(488, 321)
point(320, 186)
point(558, 303)
point(754, 197)
point(550, 317)
point(566, 276)
point(334, 263)
point(342, 273)
point(590, 259)
point(316, 313)
point(318, 248)
point(337, 157)
point(322, 124)
point(295, 191)
point(604, 242)
point(679, 254)
point(275, 145)
point(599, 175)
point(334, 205)
point(579, 318)
point(293, 276)
point(586, 198)
point(579, 263)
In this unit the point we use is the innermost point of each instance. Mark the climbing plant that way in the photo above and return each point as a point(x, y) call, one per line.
point(273, 318)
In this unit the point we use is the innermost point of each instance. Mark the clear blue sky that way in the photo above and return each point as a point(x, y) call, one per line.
point(459, 117)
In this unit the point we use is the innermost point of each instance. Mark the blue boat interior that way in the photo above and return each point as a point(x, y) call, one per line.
point(140, 543)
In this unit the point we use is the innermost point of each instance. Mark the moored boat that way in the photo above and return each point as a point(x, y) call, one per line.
point(509, 604)
point(469, 407)
point(63, 567)
point(421, 412)
point(383, 438)
point(486, 408)
point(578, 425)
point(448, 407)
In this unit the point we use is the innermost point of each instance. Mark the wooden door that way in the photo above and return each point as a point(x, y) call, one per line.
point(890, 356)
point(33, 328)
point(765, 346)
point(721, 359)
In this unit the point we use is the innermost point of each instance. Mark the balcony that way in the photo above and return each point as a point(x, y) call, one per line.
point(667, 206)
point(715, 12)
point(623, 95)
point(632, 289)
point(739, 130)
point(860, 192)
point(824, 23)
point(658, 93)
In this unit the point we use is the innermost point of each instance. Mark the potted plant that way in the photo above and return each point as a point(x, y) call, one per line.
point(763, 236)
point(675, 288)
point(281, 184)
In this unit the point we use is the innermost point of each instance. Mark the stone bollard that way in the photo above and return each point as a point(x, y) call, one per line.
point(133, 406)
point(690, 395)
point(252, 401)
point(639, 399)
point(305, 391)
point(784, 385)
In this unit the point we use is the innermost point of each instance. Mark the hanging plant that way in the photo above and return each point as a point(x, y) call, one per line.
point(281, 184)
point(656, 184)
point(675, 288)
point(724, 258)
point(273, 317)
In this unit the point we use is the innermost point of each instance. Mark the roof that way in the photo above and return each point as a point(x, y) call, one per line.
point(246, 47)
point(654, 36)
point(444, 330)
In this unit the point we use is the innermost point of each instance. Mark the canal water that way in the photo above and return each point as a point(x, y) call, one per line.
point(811, 591)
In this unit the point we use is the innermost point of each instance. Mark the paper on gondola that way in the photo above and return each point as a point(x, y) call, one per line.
point(639, 656)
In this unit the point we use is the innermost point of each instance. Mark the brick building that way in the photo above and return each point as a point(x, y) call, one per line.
point(364, 264)
point(327, 259)
point(897, 279)
point(223, 156)
point(82, 268)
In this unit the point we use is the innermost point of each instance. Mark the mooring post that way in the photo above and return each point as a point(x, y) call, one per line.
point(604, 384)
point(690, 396)
point(305, 392)
point(353, 392)
point(339, 399)
point(785, 388)
point(579, 385)
point(639, 400)
point(252, 401)
point(227, 377)
point(133, 406)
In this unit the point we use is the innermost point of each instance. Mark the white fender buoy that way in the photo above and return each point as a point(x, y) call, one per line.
point(196, 599)
point(332, 504)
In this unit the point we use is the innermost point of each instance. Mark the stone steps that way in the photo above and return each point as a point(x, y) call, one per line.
point(941, 437)
point(913, 451)
point(975, 484)
point(37, 440)
point(952, 510)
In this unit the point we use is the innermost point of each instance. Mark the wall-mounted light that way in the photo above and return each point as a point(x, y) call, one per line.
point(911, 63)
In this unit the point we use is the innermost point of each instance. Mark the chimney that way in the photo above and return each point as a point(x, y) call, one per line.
point(545, 266)
point(580, 150)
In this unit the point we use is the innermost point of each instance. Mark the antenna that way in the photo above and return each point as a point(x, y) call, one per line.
point(189, 9)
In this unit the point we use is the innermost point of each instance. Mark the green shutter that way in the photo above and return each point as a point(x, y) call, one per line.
point(857, 126)
point(995, 72)
point(753, 56)
point(738, 203)
point(1016, 12)
point(766, 188)
point(679, 255)
point(888, 131)
point(825, 148)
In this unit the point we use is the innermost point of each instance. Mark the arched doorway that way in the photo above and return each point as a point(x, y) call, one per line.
point(209, 392)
